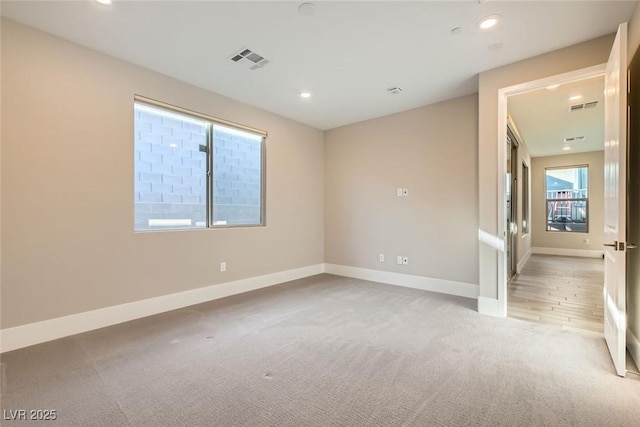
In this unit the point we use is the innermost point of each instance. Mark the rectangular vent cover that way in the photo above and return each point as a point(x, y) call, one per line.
point(585, 106)
point(249, 58)
point(575, 139)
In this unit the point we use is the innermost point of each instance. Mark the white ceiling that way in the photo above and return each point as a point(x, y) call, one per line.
point(544, 119)
point(346, 54)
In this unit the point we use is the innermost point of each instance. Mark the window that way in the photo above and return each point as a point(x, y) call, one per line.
point(525, 198)
point(193, 171)
point(567, 198)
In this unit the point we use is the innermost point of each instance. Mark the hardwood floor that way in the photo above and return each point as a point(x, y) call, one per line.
point(561, 290)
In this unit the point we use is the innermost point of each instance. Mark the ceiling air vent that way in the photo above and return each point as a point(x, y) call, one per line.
point(584, 106)
point(249, 58)
point(575, 139)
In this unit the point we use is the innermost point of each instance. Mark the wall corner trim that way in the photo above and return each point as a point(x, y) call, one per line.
point(48, 330)
point(442, 286)
point(490, 307)
point(523, 261)
point(585, 253)
point(633, 345)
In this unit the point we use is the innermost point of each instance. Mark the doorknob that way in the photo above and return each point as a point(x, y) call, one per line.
point(619, 246)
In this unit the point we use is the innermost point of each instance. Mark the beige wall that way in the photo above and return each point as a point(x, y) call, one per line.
point(572, 58)
point(633, 33)
point(0, 172)
point(431, 151)
point(550, 239)
point(68, 244)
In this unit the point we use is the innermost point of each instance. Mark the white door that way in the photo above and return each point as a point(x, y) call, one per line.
point(615, 160)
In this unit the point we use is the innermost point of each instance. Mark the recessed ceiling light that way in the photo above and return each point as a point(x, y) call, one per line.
point(307, 9)
point(575, 97)
point(104, 2)
point(566, 148)
point(552, 87)
point(305, 94)
point(488, 22)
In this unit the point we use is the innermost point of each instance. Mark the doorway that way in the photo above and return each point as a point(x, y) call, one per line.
point(511, 190)
point(615, 70)
point(522, 223)
point(505, 264)
point(559, 131)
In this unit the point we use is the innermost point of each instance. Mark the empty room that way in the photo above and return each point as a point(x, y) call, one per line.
point(319, 213)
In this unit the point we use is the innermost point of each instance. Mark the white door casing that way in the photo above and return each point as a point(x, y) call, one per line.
point(499, 307)
point(615, 150)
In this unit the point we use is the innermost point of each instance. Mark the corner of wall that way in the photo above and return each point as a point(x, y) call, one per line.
point(490, 307)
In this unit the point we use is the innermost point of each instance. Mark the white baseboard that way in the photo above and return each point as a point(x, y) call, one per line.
point(47, 330)
point(490, 307)
point(523, 261)
point(585, 253)
point(633, 345)
point(406, 280)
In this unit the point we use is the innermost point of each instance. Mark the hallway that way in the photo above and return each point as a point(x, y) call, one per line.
point(561, 290)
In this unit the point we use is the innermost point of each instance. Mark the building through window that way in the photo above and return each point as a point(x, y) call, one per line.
point(192, 171)
point(567, 198)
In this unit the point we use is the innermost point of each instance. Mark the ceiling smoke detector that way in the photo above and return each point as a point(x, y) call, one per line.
point(394, 90)
point(249, 58)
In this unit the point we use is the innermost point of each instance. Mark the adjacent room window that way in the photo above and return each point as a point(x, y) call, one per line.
point(525, 198)
point(194, 171)
point(567, 198)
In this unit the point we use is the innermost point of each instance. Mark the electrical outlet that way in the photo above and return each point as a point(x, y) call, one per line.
point(223, 266)
point(405, 192)
point(399, 260)
point(405, 261)
point(381, 257)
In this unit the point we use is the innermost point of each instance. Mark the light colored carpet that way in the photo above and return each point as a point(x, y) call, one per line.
point(323, 351)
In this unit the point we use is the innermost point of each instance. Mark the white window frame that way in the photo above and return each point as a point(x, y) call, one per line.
point(567, 199)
